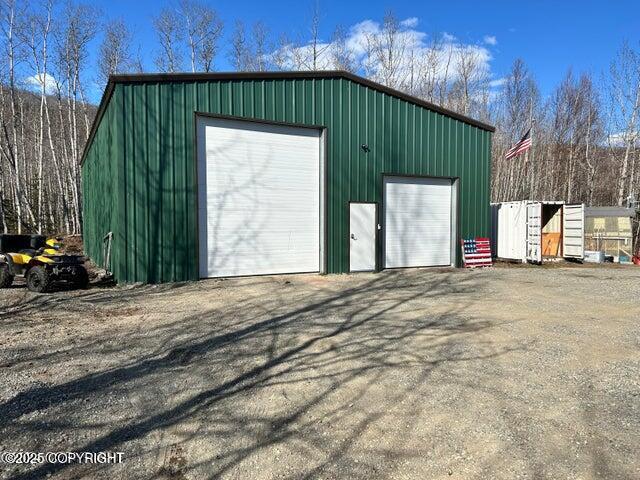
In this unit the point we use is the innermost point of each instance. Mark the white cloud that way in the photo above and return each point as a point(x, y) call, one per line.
point(490, 40)
point(35, 82)
point(447, 37)
point(620, 139)
point(359, 35)
point(411, 22)
point(498, 82)
point(292, 57)
point(442, 53)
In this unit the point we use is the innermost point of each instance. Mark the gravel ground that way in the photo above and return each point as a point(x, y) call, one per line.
point(513, 372)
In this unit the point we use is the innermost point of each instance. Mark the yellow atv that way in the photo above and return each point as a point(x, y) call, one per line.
point(37, 259)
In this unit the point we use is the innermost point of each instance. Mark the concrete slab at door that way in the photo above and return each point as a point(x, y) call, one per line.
point(363, 225)
point(259, 198)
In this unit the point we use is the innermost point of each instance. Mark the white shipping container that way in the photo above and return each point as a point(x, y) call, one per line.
point(509, 230)
point(529, 230)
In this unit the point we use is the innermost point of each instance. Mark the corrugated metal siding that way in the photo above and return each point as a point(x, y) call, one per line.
point(99, 189)
point(152, 151)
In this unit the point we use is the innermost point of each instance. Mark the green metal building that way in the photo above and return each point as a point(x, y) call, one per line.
point(228, 174)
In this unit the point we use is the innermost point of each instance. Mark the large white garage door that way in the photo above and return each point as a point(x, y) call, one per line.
point(259, 198)
point(418, 221)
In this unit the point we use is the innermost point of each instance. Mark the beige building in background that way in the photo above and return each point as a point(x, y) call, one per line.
point(609, 229)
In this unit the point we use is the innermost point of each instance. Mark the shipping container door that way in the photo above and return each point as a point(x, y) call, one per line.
point(259, 206)
point(573, 231)
point(511, 231)
point(534, 232)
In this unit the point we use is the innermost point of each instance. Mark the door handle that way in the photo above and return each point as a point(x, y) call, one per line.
point(353, 237)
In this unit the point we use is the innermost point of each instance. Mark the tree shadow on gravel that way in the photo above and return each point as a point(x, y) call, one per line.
point(322, 354)
point(24, 302)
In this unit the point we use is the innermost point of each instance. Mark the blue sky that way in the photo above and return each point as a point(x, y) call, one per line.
point(550, 36)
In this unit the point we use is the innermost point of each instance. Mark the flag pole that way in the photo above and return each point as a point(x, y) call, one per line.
point(530, 129)
point(530, 150)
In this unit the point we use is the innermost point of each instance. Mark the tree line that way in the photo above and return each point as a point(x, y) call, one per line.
point(585, 134)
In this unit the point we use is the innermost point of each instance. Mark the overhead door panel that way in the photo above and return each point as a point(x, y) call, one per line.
point(418, 221)
point(259, 198)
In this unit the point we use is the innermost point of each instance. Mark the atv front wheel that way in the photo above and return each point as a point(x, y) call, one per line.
point(6, 279)
point(38, 279)
point(81, 279)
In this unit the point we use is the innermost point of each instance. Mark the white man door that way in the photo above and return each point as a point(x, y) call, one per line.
point(363, 225)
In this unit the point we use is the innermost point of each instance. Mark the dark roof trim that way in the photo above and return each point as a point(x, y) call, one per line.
point(198, 77)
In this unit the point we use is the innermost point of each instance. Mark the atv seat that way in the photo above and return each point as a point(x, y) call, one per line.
point(17, 243)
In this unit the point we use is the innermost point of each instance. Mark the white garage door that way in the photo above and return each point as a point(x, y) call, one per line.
point(418, 222)
point(259, 198)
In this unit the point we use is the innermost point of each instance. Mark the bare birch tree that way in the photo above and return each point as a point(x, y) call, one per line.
point(252, 54)
point(624, 97)
point(309, 51)
point(239, 53)
point(280, 58)
point(13, 55)
point(342, 55)
point(115, 50)
point(36, 37)
point(591, 131)
point(315, 49)
point(169, 31)
point(471, 81)
point(75, 33)
point(261, 47)
point(386, 52)
point(203, 32)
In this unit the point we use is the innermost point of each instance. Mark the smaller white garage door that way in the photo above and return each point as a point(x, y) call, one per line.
point(418, 222)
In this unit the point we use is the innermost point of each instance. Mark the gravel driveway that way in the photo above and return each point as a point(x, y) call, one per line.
point(513, 372)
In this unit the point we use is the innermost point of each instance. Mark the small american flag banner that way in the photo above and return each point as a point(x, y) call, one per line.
point(476, 252)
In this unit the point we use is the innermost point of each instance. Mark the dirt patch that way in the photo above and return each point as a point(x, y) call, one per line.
point(174, 464)
point(518, 372)
point(72, 244)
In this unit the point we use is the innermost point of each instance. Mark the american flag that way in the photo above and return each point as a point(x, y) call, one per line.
point(522, 146)
point(476, 252)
